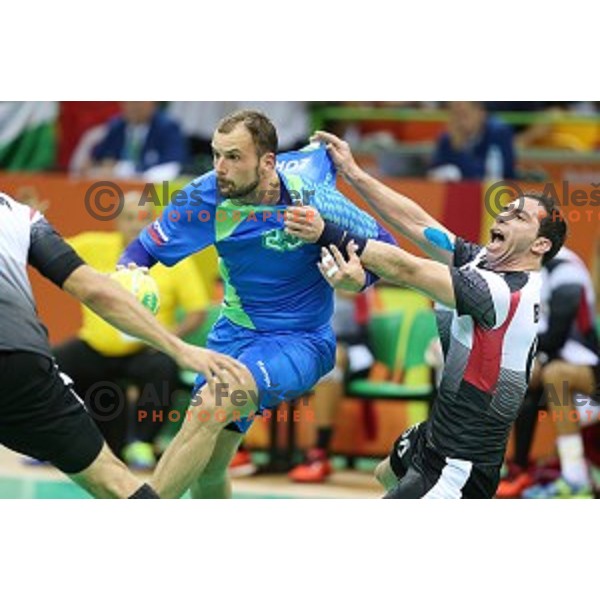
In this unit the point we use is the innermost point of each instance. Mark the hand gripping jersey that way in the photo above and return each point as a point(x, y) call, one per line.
point(272, 282)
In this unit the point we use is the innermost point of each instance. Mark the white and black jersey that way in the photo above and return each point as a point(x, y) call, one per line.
point(567, 324)
point(40, 415)
point(26, 237)
point(489, 342)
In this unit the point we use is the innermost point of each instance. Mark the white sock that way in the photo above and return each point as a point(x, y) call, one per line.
point(572, 460)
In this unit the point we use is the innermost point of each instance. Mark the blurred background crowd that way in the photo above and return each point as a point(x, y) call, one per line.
point(438, 140)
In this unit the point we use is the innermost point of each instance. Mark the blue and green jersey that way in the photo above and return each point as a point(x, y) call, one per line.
point(271, 279)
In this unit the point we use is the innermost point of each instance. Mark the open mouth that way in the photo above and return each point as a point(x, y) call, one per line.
point(496, 236)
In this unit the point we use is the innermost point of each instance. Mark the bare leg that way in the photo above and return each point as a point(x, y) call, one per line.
point(107, 477)
point(561, 381)
point(328, 396)
point(214, 482)
point(189, 453)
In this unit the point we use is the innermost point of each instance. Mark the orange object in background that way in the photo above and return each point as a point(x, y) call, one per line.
point(454, 203)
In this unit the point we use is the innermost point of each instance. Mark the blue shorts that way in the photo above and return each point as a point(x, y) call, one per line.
point(285, 364)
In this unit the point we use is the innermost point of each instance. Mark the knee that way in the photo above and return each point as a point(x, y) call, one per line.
point(228, 401)
point(555, 373)
point(212, 411)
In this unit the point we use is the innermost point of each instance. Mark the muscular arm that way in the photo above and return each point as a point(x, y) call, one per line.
point(401, 267)
point(58, 262)
point(404, 215)
point(119, 307)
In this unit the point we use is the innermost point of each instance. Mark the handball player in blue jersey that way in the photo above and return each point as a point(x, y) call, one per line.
point(275, 317)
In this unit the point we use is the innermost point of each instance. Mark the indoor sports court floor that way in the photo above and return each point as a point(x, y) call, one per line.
point(21, 480)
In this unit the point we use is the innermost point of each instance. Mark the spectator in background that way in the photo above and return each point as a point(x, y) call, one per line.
point(476, 146)
point(564, 126)
point(142, 143)
point(100, 353)
point(75, 120)
point(199, 119)
point(291, 119)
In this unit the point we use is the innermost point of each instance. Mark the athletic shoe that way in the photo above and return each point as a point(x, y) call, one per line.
point(139, 456)
point(557, 490)
point(241, 464)
point(316, 468)
point(513, 485)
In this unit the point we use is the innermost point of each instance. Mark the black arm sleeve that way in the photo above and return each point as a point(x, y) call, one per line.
point(464, 252)
point(564, 304)
point(473, 296)
point(50, 254)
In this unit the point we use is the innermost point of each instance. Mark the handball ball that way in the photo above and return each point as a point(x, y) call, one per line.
point(141, 285)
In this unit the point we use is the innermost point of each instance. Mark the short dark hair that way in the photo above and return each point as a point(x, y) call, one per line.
point(261, 128)
point(553, 226)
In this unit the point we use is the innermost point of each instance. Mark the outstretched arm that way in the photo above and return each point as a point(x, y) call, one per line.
point(398, 266)
point(482, 294)
point(402, 213)
point(58, 262)
point(122, 310)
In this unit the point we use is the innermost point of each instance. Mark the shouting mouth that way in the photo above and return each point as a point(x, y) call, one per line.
point(497, 238)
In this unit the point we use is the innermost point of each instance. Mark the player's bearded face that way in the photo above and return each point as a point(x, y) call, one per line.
point(237, 165)
point(240, 185)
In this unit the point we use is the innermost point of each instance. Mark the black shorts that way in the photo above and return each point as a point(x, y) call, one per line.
point(41, 416)
point(424, 473)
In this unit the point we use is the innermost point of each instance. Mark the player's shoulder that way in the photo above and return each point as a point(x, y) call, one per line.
point(310, 165)
point(12, 206)
point(566, 269)
point(19, 214)
point(467, 253)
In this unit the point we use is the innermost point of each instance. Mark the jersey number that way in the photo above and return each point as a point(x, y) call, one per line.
point(279, 240)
